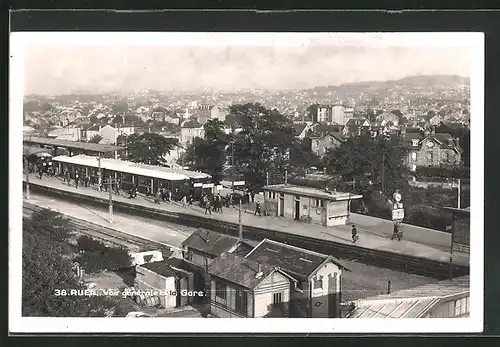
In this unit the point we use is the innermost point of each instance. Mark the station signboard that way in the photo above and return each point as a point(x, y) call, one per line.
point(398, 214)
point(197, 185)
point(239, 183)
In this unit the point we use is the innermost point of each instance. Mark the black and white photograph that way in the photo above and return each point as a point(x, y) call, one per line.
point(161, 181)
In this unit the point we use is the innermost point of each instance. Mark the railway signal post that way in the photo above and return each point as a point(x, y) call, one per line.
point(110, 183)
point(398, 212)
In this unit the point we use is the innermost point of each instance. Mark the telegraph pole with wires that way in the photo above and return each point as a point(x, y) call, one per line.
point(240, 224)
point(110, 200)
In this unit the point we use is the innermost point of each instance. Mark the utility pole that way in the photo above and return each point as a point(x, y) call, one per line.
point(110, 200)
point(240, 224)
point(232, 153)
point(286, 177)
point(459, 191)
point(267, 178)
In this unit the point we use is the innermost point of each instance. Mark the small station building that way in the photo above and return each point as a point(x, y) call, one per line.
point(328, 208)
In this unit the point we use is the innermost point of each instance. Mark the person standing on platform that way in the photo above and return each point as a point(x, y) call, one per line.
point(208, 207)
point(158, 197)
point(257, 209)
point(68, 177)
point(354, 234)
point(395, 233)
point(77, 178)
point(40, 171)
point(184, 201)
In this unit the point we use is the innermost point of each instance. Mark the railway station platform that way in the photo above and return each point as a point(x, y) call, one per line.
point(368, 239)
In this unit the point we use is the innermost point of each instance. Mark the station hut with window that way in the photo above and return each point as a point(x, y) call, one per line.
point(328, 208)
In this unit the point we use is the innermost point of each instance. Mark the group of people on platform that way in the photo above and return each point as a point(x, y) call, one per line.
point(215, 202)
point(41, 167)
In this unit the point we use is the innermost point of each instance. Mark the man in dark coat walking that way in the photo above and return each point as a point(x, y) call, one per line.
point(354, 234)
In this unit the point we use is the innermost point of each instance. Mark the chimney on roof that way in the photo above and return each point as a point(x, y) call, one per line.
point(259, 273)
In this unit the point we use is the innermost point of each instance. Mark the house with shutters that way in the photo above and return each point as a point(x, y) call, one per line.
point(316, 291)
point(431, 150)
point(320, 143)
point(245, 288)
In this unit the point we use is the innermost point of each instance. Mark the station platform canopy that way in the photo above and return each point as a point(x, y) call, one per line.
point(29, 150)
point(123, 166)
point(85, 146)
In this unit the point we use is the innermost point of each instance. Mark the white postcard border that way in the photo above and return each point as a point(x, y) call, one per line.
point(19, 324)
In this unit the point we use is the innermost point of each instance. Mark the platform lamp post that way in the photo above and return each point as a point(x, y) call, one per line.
point(110, 188)
point(240, 223)
point(99, 173)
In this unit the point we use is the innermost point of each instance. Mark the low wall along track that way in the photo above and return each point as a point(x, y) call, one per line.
point(384, 259)
point(106, 235)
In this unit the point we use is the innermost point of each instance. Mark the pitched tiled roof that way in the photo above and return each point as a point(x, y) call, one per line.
point(210, 242)
point(323, 129)
point(355, 122)
point(239, 270)
point(409, 303)
point(161, 268)
point(298, 262)
point(191, 124)
point(299, 128)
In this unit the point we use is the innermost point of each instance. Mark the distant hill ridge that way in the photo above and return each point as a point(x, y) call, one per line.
point(410, 81)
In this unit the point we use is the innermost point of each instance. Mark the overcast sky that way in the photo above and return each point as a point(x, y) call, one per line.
point(62, 68)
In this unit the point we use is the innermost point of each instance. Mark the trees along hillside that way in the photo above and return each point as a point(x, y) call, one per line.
point(47, 269)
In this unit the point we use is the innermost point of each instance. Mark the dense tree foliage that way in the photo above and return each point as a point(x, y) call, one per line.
point(376, 164)
point(312, 112)
point(95, 256)
point(263, 145)
point(302, 156)
point(149, 148)
point(443, 172)
point(47, 268)
point(208, 154)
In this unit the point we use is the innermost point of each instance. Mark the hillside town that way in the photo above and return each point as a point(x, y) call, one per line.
point(212, 273)
point(415, 111)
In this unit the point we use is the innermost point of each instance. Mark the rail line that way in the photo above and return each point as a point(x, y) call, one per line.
point(384, 259)
point(106, 235)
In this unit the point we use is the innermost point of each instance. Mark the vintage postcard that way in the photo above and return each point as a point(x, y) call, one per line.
point(303, 182)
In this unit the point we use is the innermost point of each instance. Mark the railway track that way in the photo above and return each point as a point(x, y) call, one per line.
point(384, 259)
point(106, 235)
